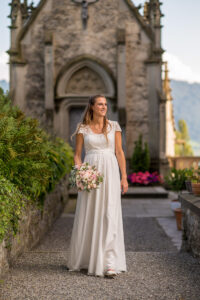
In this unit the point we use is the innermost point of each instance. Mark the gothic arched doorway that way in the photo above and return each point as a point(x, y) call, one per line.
point(74, 86)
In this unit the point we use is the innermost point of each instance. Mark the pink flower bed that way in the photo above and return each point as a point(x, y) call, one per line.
point(145, 178)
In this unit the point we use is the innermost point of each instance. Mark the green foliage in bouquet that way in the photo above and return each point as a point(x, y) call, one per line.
point(140, 160)
point(31, 161)
point(76, 180)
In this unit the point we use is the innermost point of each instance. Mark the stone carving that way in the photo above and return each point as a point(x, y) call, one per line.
point(85, 4)
point(85, 81)
point(25, 9)
point(84, 11)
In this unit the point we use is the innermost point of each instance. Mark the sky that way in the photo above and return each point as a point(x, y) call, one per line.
point(180, 38)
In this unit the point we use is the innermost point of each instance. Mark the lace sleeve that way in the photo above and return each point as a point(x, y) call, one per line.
point(81, 129)
point(117, 126)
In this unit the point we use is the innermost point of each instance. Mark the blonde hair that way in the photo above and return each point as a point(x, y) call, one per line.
point(88, 116)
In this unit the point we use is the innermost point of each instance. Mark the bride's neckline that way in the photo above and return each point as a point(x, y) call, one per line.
point(93, 131)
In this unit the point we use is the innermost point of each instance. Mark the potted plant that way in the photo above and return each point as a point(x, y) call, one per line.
point(140, 166)
point(195, 182)
point(176, 182)
point(188, 181)
point(140, 160)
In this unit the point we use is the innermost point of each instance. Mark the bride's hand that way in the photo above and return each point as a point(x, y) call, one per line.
point(124, 185)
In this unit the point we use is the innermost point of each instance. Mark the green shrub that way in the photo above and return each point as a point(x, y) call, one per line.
point(140, 160)
point(194, 175)
point(11, 204)
point(29, 157)
point(31, 163)
point(176, 179)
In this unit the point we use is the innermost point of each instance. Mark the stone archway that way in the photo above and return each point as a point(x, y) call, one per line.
point(74, 86)
point(84, 78)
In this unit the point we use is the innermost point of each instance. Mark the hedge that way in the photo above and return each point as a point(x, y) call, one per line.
point(11, 203)
point(31, 161)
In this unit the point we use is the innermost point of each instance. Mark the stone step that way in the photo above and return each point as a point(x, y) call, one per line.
point(137, 192)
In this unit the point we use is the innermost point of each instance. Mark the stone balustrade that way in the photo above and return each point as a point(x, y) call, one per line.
point(182, 162)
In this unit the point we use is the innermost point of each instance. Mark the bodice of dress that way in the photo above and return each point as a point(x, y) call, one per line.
point(97, 142)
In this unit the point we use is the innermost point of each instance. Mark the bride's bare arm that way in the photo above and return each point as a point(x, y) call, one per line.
point(121, 160)
point(120, 153)
point(78, 149)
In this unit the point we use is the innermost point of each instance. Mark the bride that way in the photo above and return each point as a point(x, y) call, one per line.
point(97, 240)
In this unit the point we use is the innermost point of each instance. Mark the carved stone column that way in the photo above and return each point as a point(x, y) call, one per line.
point(154, 83)
point(162, 126)
point(49, 80)
point(121, 76)
point(164, 163)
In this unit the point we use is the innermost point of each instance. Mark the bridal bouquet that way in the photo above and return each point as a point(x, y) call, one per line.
point(85, 177)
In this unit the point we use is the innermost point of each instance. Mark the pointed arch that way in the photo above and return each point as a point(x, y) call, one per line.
point(84, 76)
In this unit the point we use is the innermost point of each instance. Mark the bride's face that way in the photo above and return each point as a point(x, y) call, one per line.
point(100, 107)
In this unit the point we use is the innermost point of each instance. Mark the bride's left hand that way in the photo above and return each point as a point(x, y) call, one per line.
point(124, 185)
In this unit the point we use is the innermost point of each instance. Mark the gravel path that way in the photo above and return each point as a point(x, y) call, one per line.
point(156, 269)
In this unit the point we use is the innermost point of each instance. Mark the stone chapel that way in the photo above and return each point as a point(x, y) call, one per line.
point(62, 52)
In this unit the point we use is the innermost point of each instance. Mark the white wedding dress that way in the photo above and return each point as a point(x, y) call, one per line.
point(97, 240)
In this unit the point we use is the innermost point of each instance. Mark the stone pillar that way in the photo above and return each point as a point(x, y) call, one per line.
point(162, 128)
point(157, 109)
point(16, 25)
point(153, 74)
point(121, 76)
point(170, 121)
point(164, 163)
point(49, 80)
point(121, 83)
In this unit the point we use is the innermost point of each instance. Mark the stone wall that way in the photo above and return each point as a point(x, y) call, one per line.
point(33, 226)
point(191, 223)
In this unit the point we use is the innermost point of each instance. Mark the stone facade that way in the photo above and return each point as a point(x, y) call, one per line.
point(56, 62)
point(33, 226)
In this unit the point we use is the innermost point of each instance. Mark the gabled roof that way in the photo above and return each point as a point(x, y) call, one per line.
point(32, 18)
point(140, 19)
point(130, 4)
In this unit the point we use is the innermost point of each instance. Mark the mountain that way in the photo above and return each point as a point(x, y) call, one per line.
point(186, 103)
point(4, 85)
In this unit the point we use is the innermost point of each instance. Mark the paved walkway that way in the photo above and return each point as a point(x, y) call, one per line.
point(156, 268)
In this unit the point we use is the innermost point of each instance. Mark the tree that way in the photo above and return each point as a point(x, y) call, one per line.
point(140, 160)
point(182, 146)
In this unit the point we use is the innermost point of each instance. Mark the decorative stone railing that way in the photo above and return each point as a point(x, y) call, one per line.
point(191, 223)
point(33, 226)
point(182, 162)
